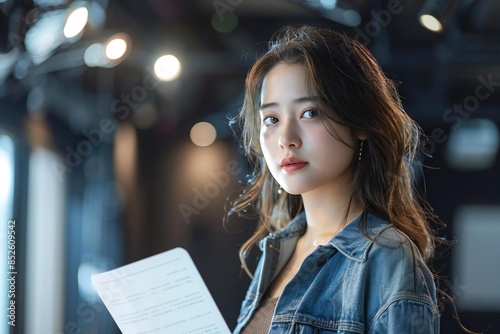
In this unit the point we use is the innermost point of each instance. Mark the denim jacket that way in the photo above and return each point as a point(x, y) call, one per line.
point(350, 285)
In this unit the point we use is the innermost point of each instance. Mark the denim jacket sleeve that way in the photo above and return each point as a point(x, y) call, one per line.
point(411, 306)
point(409, 316)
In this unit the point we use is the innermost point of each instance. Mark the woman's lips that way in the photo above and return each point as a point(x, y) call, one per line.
point(294, 167)
point(292, 164)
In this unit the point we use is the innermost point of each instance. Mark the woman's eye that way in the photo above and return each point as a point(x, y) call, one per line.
point(310, 113)
point(269, 120)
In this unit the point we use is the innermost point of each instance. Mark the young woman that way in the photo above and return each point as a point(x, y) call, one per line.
point(343, 233)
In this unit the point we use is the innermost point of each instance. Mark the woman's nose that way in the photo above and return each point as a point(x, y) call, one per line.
point(289, 137)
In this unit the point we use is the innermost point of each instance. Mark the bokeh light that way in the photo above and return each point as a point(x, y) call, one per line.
point(167, 68)
point(76, 21)
point(203, 134)
point(116, 48)
point(431, 23)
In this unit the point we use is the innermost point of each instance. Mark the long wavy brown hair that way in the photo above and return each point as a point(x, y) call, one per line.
point(353, 92)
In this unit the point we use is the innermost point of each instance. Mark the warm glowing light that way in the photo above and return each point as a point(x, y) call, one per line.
point(76, 22)
point(116, 48)
point(431, 23)
point(203, 134)
point(167, 68)
point(108, 54)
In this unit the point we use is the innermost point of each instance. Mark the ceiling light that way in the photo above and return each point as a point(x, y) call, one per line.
point(117, 46)
point(108, 54)
point(167, 68)
point(76, 21)
point(431, 23)
point(434, 14)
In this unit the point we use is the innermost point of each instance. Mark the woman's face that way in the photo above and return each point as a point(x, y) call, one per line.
point(301, 154)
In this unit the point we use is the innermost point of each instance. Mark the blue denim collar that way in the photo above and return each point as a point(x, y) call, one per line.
point(350, 241)
point(353, 243)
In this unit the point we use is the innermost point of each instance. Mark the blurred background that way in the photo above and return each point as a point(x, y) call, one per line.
point(115, 141)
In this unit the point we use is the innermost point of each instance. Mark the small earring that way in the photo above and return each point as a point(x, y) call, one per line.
point(280, 190)
point(360, 151)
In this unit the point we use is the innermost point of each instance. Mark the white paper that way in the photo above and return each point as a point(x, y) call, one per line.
point(160, 294)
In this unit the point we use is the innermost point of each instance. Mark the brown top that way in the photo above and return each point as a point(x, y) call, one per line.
point(261, 320)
